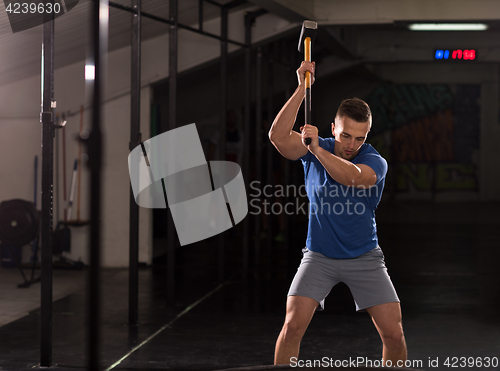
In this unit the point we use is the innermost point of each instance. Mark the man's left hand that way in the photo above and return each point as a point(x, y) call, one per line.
point(310, 131)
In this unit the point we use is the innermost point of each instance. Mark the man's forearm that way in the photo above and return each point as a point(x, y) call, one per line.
point(285, 119)
point(343, 171)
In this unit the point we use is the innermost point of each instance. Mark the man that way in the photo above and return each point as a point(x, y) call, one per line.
point(344, 179)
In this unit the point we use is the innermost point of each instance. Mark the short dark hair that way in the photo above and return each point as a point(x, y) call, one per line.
point(356, 109)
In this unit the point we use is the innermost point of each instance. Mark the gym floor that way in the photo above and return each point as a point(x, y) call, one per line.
point(449, 303)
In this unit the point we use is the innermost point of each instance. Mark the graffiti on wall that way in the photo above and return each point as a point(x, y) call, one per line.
point(429, 134)
point(396, 105)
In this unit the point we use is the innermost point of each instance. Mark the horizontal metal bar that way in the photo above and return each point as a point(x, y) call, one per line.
point(234, 4)
point(210, 35)
point(164, 20)
point(213, 3)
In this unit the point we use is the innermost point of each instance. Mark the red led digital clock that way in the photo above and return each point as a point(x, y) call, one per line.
point(465, 54)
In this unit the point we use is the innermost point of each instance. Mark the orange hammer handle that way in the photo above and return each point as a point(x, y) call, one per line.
point(307, 57)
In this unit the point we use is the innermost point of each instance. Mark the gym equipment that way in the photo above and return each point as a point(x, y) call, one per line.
point(62, 239)
point(64, 166)
point(72, 192)
point(307, 36)
point(19, 221)
point(61, 236)
point(62, 233)
point(77, 170)
point(57, 125)
point(19, 225)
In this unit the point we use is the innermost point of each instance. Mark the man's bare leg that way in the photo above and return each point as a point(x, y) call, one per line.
point(299, 312)
point(387, 320)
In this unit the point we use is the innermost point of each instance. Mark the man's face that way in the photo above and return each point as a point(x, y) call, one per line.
point(349, 136)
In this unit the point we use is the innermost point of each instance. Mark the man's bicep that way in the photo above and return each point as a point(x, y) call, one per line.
point(291, 147)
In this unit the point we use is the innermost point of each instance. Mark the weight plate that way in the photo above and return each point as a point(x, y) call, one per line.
point(19, 220)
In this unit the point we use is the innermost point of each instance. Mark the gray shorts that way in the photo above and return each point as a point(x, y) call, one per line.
point(366, 276)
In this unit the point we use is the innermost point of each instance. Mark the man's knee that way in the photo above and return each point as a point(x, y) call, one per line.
point(293, 330)
point(393, 336)
point(299, 313)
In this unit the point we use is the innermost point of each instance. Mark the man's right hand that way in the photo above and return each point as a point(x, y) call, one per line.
point(301, 72)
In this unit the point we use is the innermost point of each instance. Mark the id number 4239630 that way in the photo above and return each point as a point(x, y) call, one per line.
point(40, 8)
point(469, 362)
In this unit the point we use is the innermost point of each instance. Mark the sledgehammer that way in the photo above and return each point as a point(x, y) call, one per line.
point(307, 36)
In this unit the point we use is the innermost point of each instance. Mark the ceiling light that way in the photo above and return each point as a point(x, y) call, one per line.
point(448, 27)
point(89, 72)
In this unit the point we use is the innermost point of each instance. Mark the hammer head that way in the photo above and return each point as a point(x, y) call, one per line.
point(309, 29)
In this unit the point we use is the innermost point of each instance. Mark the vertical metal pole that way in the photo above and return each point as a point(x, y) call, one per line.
point(135, 140)
point(172, 123)
point(246, 144)
point(46, 118)
point(222, 126)
point(200, 15)
point(56, 135)
point(100, 21)
point(258, 149)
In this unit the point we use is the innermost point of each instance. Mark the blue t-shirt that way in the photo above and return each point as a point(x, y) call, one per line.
point(342, 219)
